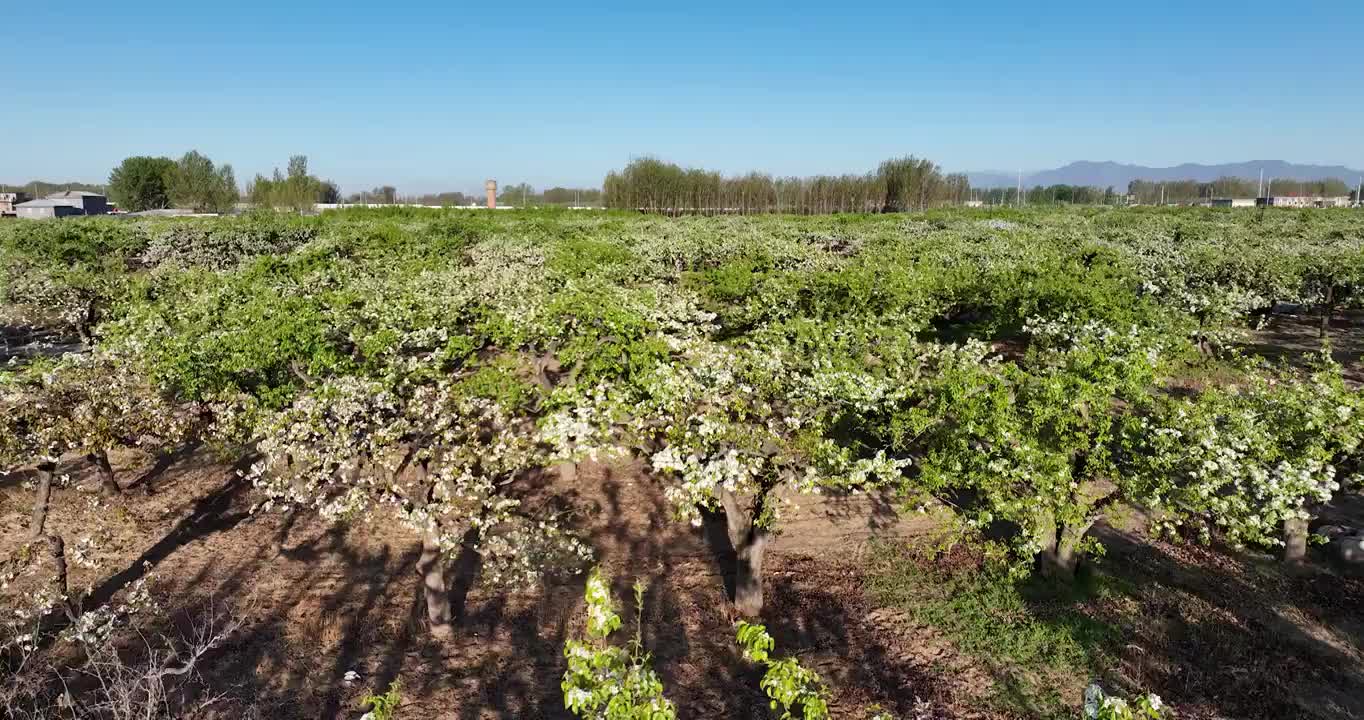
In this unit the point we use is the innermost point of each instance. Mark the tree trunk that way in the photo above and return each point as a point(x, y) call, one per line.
point(750, 546)
point(85, 324)
point(1060, 555)
point(1295, 540)
point(163, 459)
point(431, 567)
point(748, 573)
point(1327, 309)
point(1068, 552)
point(41, 498)
point(1046, 532)
point(106, 472)
point(56, 547)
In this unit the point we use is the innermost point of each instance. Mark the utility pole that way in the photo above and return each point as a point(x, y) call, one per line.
point(1260, 190)
point(1020, 189)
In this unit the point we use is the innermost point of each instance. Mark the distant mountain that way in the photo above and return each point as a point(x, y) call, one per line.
point(1118, 175)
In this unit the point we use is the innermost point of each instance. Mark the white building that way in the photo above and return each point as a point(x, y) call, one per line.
point(1304, 201)
point(63, 204)
point(45, 208)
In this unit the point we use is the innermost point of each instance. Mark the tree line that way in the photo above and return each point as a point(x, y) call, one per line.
point(195, 182)
point(515, 195)
point(295, 189)
point(382, 195)
point(523, 195)
point(898, 184)
point(40, 188)
point(1059, 194)
point(152, 183)
point(1150, 192)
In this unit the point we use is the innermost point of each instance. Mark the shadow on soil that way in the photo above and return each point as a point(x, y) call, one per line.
point(1227, 636)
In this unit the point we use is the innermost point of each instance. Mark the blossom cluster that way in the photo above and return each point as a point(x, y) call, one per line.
point(430, 456)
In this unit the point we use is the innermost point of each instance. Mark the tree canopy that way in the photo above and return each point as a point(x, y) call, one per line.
point(196, 183)
point(907, 183)
point(296, 190)
point(142, 183)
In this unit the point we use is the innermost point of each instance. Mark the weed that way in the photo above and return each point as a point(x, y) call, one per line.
point(1033, 635)
point(385, 707)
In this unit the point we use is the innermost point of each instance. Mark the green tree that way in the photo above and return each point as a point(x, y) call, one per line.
point(387, 194)
point(517, 195)
point(297, 190)
point(141, 183)
point(198, 184)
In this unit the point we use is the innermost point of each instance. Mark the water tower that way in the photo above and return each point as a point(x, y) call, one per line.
point(491, 187)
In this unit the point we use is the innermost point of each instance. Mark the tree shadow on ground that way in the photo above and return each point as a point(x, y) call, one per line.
point(1222, 634)
point(341, 600)
point(1295, 339)
point(322, 600)
point(820, 612)
point(180, 458)
point(210, 514)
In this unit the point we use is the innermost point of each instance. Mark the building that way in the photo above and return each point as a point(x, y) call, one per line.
point(1288, 201)
point(1303, 201)
point(10, 199)
point(88, 202)
point(1233, 202)
point(47, 208)
point(63, 204)
point(974, 203)
point(491, 188)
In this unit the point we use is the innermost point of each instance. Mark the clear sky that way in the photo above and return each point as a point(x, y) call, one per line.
point(440, 95)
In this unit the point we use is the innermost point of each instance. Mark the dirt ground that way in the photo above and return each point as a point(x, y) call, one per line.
point(1295, 337)
point(1221, 635)
point(1227, 635)
point(324, 600)
point(1212, 631)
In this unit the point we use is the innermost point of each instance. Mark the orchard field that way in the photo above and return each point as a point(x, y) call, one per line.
point(462, 464)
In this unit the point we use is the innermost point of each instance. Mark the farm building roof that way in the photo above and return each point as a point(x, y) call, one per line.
point(46, 202)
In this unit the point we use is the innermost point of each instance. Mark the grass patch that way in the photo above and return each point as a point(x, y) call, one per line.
point(1036, 637)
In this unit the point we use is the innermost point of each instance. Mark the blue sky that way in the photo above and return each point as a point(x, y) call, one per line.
point(433, 96)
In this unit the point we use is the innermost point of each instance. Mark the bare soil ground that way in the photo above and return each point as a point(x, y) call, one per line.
point(1218, 634)
point(324, 600)
point(1294, 338)
point(1230, 635)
